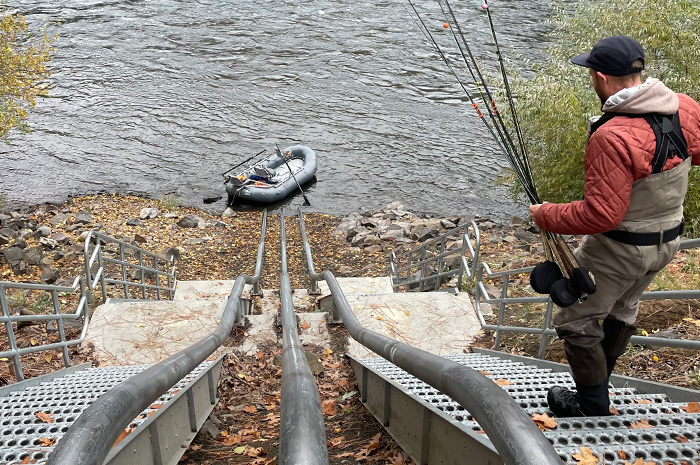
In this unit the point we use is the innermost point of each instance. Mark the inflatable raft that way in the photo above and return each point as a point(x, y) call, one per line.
point(269, 180)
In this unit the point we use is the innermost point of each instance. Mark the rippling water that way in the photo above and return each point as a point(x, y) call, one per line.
point(161, 96)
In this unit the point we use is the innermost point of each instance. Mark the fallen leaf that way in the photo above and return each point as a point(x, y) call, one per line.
point(123, 434)
point(373, 444)
point(250, 409)
point(503, 382)
point(305, 325)
point(195, 447)
point(337, 441)
point(640, 424)
point(255, 451)
point(45, 417)
point(643, 401)
point(485, 373)
point(46, 442)
point(622, 455)
point(231, 440)
point(692, 407)
point(586, 457)
point(155, 406)
point(640, 461)
point(28, 459)
point(544, 421)
point(329, 407)
point(614, 411)
point(239, 450)
point(680, 438)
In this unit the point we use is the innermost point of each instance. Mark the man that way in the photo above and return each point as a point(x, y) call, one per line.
point(637, 162)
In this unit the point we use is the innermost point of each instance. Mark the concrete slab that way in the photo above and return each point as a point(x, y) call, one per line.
point(360, 286)
point(260, 332)
point(437, 322)
point(197, 290)
point(302, 301)
point(131, 333)
point(313, 329)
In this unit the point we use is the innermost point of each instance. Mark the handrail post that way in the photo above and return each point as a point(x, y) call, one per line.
point(10, 335)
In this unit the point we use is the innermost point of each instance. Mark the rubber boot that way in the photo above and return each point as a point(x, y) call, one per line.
point(594, 400)
point(616, 337)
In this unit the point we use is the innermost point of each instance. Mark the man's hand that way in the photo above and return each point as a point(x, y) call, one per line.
point(533, 210)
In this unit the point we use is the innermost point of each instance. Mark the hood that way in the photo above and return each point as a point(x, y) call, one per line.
point(650, 97)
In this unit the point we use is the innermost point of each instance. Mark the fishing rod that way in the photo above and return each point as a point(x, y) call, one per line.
point(570, 281)
point(513, 160)
point(243, 162)
point(279, 154)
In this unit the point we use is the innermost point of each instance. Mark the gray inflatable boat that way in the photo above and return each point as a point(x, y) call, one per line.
point(269, 179)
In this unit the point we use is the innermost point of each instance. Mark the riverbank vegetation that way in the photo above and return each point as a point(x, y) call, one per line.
point(554, 106)
point(23, 69)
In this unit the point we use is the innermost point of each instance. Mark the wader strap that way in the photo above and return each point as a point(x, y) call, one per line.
point(651, 238)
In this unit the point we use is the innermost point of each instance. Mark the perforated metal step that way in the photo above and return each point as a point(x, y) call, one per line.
point(34, 418)
point(648, 426)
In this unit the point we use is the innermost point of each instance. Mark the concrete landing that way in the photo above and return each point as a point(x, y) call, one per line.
point(197, 290)
point(360, 286)
point(132, 333)
point(437, 322)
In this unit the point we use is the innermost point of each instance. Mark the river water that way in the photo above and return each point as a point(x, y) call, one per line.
point(162, 96)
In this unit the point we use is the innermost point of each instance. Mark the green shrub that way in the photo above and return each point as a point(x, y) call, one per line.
point(554, 106)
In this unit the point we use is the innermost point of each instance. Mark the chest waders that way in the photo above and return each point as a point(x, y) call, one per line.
point(592, 362)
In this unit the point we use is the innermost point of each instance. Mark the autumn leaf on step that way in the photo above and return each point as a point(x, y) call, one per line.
point(622, 455)
point(28, 459)
point(231, 440)
point(121, 437)
point(45, 417)
point(692, 407)
point(329, 407)
point(373, 445)
point(614, 411)
point(305, 325)
point(680, 438)
point(640, 424)
point(250, 409)
point(643, 401)
point(544, 421)
point(255, 451)
point(485, 373)
point(47, 442)
point(586, 457)
point(503, 382)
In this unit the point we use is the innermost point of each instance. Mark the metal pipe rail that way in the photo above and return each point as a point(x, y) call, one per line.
point(515, 436)
point(98, 238)
point(396, 269)
point(302, 431)
point(484, 272)
point(89, 440)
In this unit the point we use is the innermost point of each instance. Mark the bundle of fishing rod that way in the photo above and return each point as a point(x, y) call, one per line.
point(560, 275)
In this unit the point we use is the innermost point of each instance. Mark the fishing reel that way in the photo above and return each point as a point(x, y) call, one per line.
point(547, 278)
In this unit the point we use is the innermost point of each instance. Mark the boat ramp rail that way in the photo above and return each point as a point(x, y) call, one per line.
point(425, 265)
point(89, 440)
point(302, 430)
point(155, 276)
point(515, 436)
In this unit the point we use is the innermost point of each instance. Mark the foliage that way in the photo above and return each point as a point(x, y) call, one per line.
point(170, 201)
point(23, 59)
point(554, 106)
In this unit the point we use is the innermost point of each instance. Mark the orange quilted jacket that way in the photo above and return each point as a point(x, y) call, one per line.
point(619, 153)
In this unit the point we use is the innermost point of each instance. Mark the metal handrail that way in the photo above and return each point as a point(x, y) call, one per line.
point(302, 431)
point(396, 269)
point(515, 436)
point(98, 239)
point(85, 284)
point(90, 438)
point(484, 272)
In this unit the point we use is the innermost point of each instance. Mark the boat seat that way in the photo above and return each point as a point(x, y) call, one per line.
point(264, 172)
point(235, 180)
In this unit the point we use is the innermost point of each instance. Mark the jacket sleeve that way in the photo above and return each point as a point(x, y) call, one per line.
point(607, 191)
point(690, 122)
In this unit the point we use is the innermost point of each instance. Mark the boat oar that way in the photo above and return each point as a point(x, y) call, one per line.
point(244, 161)
point(279, 154)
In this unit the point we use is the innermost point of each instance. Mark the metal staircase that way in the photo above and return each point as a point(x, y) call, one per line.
point(433, 428)
point(35, 414)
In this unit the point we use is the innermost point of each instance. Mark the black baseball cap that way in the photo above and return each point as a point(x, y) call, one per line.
point(613, 56)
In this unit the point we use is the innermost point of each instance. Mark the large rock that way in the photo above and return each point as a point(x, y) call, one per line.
point(190, 221)
point(49, 275)
point(13, 254)
point(7, 235)
point(34, 256)
point(148, 213)
point(133, 222)
point(58, 219)
point(83, 217)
